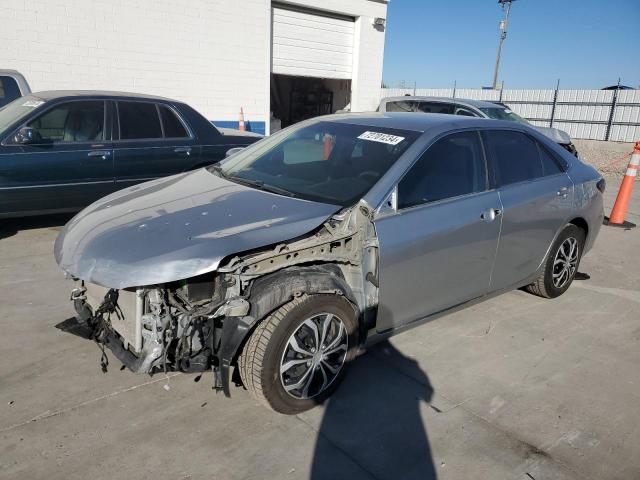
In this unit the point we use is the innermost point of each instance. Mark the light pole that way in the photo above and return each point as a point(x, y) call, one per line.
point(506, 8)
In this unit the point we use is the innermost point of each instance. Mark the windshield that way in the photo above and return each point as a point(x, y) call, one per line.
point(499, 113)
point(328, 162)
point(17, 110)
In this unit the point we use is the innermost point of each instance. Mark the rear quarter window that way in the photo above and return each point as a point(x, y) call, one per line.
point(173, 126)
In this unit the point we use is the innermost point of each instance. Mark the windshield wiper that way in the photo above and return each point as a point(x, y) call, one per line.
point(260, 185)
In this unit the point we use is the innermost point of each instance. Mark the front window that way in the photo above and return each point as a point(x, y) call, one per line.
point(499, 113)
point(329, 162)
point(77, 121)
point(17, 111)
point(451, 167)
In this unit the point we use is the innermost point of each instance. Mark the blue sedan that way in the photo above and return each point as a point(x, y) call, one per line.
point(62, 150)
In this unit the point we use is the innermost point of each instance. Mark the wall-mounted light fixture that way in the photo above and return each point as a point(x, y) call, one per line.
point(379, 23)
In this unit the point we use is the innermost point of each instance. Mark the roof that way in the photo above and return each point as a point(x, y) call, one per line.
point(419, 122)
point(56, 94)
point(457, 101)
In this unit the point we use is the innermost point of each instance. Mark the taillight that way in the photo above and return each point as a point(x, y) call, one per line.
point(602, 184)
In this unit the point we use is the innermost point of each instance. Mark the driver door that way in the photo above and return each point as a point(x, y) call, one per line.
point(437, 250)
point(68, 166)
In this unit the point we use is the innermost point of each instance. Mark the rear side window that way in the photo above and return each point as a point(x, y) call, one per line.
point(435, 107)
point(173, 127)
point(401, 106)
point(464, 112)
point(9, 90)
point(139, 120)
point(81, 121)
point(451, 167)
point(515, 156)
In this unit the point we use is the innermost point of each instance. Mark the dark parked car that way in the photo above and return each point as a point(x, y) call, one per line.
point(62, 150)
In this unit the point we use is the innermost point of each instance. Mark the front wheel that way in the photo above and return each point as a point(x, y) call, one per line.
point(297, 356)
point(561, 265)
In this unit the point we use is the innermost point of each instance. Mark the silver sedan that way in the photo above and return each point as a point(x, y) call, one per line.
point(292, 254)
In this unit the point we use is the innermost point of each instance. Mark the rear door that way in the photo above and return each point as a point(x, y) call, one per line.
point(69, 165)
point(537, 198)
point(152, 141)
point(437, 250)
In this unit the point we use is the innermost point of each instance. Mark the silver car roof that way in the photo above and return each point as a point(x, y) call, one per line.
point(458, 101)
point(417, 122)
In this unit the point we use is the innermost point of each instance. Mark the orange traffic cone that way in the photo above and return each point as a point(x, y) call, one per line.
point(327, 145)
point(624, 195)
point(241, 122)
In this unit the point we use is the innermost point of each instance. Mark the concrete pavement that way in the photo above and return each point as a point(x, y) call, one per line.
point(517, 387)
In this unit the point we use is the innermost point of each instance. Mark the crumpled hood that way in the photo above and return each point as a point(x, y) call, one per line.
point(555, 134)
point(177, 227)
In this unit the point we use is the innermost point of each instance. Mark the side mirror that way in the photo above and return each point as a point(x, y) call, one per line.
point(27, 135)
point(233, 151)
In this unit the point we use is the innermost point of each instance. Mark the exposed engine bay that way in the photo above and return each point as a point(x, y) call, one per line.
point(200, 323)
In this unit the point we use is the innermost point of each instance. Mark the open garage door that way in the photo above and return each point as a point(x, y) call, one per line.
point(308, 43)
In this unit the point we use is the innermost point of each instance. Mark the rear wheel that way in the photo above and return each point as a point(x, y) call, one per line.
point(561, 264)
point(297, 356)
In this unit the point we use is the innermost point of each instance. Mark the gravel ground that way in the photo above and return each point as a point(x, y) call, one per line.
point(607, 157)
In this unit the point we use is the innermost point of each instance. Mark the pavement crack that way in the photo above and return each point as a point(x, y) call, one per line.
point(48, 414)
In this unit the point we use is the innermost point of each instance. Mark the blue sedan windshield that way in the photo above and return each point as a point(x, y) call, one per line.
point(329, 162)
point(17, 110)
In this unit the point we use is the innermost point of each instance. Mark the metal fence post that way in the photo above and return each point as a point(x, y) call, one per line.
point(612, 112)
point(501, 90)
point(455, 82)
point(555, 102)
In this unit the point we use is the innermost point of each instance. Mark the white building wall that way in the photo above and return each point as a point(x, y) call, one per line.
point(212, 54)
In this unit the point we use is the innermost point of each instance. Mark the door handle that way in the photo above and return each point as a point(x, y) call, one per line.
point(99, 153)
point(491, 214)
point(563, 192)
point(185, 150)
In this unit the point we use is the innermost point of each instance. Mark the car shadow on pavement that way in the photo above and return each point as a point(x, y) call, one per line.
point(9, 227)
point(372, 426)
point(72, 326)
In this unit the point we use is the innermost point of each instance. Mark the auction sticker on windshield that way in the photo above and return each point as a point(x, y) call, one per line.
point(381, 137)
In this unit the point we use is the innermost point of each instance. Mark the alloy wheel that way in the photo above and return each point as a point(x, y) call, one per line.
point(565, 262)
point(314, 355)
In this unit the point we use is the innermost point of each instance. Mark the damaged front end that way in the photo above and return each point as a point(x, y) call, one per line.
point(200, 323)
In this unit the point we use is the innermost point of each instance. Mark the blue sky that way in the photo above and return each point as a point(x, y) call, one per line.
point(585, 43)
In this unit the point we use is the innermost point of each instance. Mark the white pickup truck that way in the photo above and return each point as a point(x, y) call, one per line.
point(12, 86)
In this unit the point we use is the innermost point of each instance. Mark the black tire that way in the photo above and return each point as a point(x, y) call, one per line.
point(260, 360)
point(544, 285)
